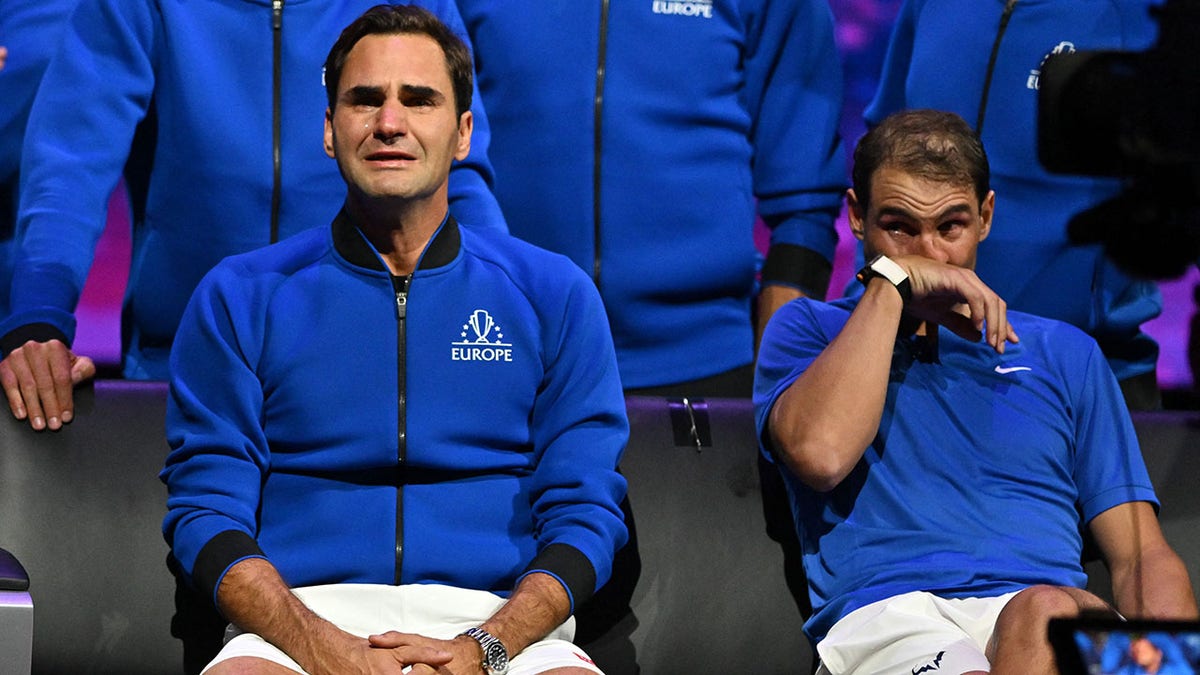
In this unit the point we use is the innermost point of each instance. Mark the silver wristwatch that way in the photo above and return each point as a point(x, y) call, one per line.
point(495, 656)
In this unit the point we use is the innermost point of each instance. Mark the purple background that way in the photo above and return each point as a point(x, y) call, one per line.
point(863, 27)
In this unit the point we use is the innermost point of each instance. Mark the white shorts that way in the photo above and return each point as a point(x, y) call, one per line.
point(431, 610)
point(915, 632)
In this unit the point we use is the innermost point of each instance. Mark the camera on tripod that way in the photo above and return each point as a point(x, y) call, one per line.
point(1135, 116)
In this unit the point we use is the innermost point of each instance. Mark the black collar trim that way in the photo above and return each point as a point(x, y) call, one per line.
point(354, 247)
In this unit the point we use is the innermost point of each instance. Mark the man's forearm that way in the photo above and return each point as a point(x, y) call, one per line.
point(1155, 588)
point(825, 420)
point(537, 606)
point(1148, 578)
point(255, 598)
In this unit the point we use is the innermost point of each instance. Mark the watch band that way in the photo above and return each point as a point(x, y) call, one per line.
point(884, 267)
point(495, 656)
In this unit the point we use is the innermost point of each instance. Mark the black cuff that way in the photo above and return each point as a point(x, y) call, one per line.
point(571, 567)
point(799, 267)
point(217, 555)
point(38, 332)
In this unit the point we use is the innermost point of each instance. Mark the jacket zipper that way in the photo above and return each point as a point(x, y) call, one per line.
point(276, 114)
point(401, 286)
point(597, 131)
point(1009, 6)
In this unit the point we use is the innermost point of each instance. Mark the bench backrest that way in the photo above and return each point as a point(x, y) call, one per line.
point(82, 509)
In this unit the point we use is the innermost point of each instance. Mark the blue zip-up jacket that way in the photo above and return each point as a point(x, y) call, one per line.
point(202, 170)
point(461, 426)
point(938, 58)
point(637, 138)
point(30, 29)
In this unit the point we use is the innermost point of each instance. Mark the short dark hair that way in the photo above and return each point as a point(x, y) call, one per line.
point(403, 20)
point(929, 144)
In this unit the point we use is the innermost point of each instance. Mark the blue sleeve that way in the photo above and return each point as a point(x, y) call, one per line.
point(96, 90)
point(471, 199)
point(1109, 469)
point(794, 96)
point(893, 80)
point(219, 453)
point(579, 433)
point(31, 30)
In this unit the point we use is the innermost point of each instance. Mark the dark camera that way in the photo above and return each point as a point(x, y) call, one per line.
point(1135, 116)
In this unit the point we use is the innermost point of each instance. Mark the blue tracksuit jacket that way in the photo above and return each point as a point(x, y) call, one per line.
point(641, 138)
point(461, 426)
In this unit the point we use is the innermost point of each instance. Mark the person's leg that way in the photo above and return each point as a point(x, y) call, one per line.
point(248, 654)
point(249, 665)
point(553, 657)
point(914, 632)
point(1019, 643)
point(436, 611)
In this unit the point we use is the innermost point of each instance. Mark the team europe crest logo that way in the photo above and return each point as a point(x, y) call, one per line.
point(482, 340)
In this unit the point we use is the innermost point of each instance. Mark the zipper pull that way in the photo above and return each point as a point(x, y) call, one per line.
point(402, 295)
point(276, 14)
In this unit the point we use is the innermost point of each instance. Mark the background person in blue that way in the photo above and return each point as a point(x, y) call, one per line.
point(941, 451)
point(30, 30)
point(443, 483)
point(210, 107)
point(641, 138)
point(982, 59)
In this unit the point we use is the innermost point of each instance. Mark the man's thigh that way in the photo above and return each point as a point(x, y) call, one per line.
point(912, 633)
point(440, 612)
point(540, 657)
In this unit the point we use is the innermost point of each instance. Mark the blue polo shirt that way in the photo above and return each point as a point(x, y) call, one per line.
point(983, 471)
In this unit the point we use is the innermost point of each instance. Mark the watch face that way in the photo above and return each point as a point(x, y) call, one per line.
point(495, 658)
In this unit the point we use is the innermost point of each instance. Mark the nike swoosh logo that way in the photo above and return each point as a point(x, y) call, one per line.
point(1004, 371)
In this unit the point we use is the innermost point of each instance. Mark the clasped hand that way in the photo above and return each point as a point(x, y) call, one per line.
point(389, 652)
point(39, 380)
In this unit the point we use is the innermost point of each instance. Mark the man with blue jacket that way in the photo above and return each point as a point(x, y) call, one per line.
point(30, 30)
point(394, 439)
point(642, 139)
point(204, 105)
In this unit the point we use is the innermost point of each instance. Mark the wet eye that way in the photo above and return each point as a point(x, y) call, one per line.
point(951, 228)
point(420, 97)
point(365, 101)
